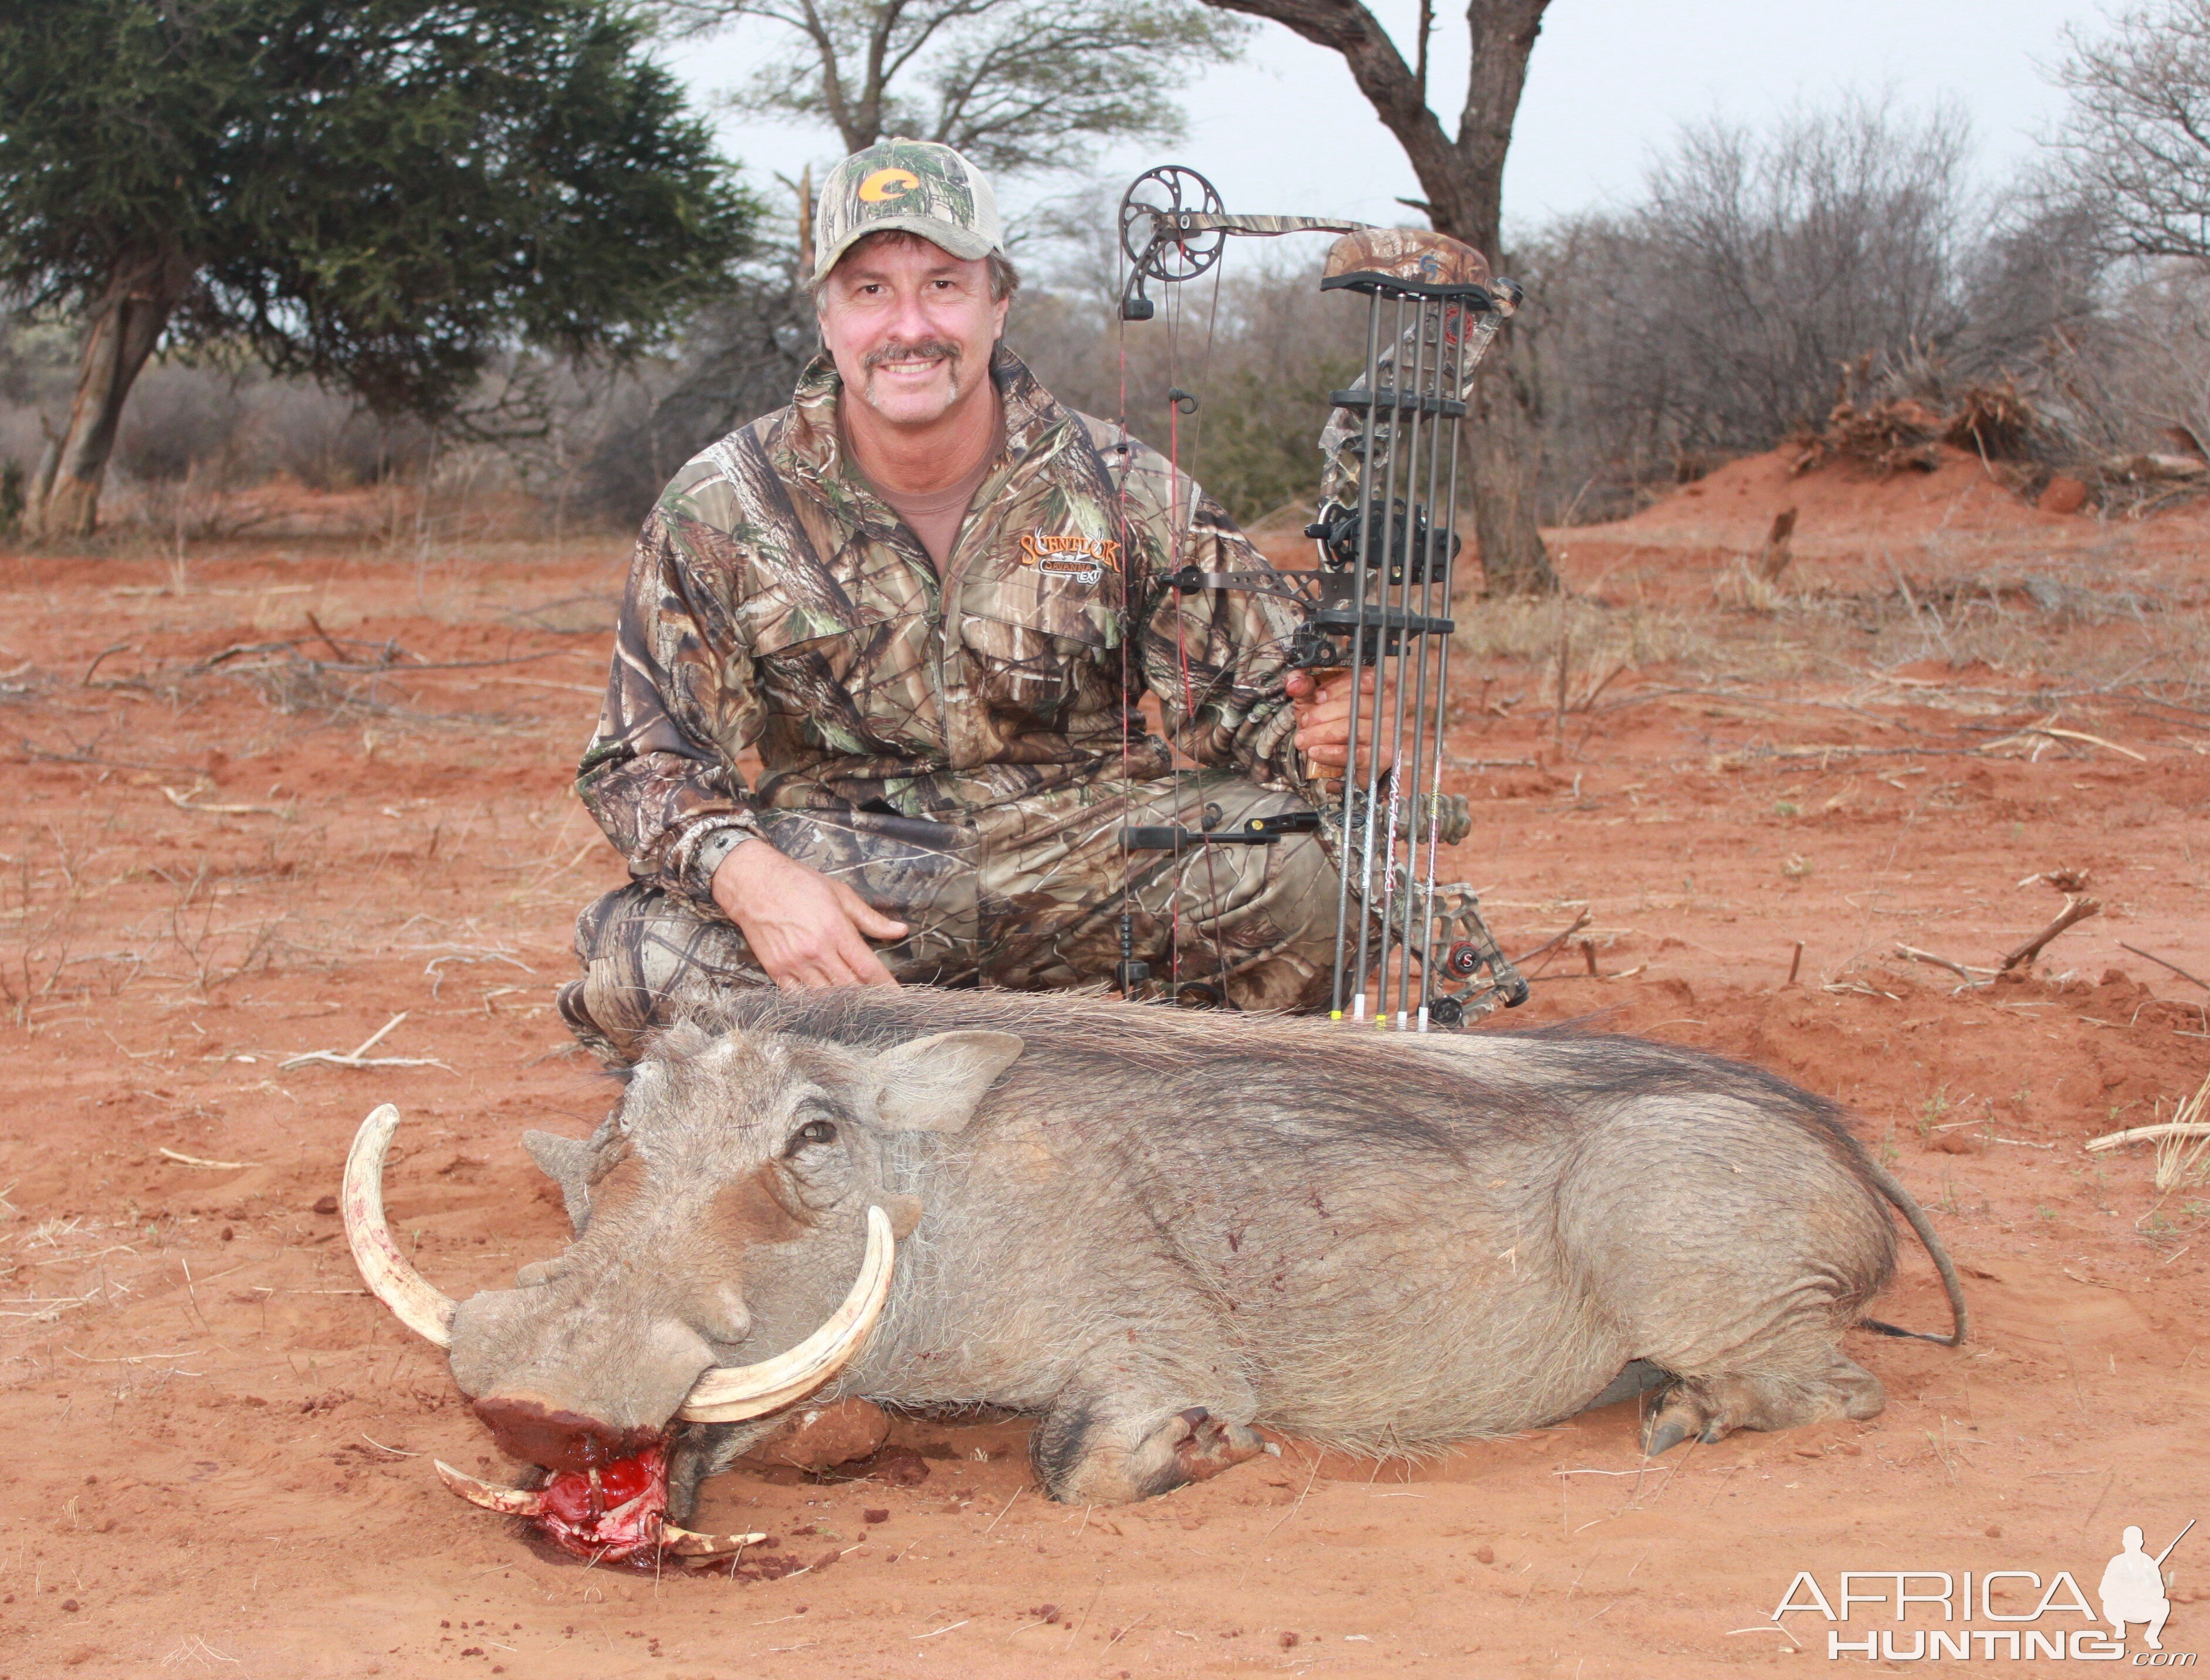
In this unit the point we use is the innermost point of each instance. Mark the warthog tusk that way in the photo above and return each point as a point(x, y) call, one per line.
point(382, 1267)
point(682, 1543)
point(730, 1393)
point(508, 1502)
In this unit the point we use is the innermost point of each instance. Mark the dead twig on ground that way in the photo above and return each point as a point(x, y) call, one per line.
point(2181, 1142)
point(358, 1056)
point(47, 755)
point(85, 681)
point(184, 802)
point(2067, 735)
point(1552, 942)
point(202, 1161)
point(2148, 1135)
point(2160, 963)
point(2076, 910)
point(326, 638)
point(1971, 977)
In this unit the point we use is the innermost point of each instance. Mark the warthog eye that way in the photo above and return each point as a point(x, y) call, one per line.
point(813, 1131)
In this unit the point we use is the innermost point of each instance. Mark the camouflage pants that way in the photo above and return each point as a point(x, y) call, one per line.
point(1025, 896)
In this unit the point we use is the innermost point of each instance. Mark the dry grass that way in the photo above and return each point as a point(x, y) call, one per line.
point(2073, 630)
point(2180, 1159)
point(1573, 652)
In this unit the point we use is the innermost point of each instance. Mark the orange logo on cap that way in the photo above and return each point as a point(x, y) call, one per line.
point(886, 184)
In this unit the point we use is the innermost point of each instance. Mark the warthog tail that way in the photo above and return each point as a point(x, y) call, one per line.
point(1916, 1216)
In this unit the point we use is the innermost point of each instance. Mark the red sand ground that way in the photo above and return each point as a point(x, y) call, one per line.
point(219, 1447)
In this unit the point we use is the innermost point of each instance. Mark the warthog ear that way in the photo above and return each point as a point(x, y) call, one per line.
point(932, 1083)
point(567, 1163)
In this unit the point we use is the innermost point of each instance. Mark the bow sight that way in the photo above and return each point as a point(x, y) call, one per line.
point(1379, 595)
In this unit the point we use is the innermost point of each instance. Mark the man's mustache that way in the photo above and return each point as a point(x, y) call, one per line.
point(920, 349)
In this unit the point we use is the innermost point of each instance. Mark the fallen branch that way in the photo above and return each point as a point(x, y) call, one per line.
point(216, 1166)
point(2068, 735)
point(85, 681)
point(1552, 942)
point(1912, 953)
point(358, 1056)
point(2141, 1134)
point(2074, 911)
point(326, 638)
point(2160, 963)
point(185, 802)
point(47, 755)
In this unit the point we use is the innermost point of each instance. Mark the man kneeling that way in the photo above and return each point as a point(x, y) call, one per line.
point(929, 596)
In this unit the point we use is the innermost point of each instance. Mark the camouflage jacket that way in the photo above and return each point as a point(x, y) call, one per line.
point(775, 601)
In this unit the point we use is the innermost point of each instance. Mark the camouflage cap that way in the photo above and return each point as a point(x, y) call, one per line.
point(915, 185)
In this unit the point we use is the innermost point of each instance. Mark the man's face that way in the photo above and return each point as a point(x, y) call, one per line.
point(910, 327)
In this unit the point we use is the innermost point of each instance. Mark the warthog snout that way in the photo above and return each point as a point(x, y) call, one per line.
point(530, 1428)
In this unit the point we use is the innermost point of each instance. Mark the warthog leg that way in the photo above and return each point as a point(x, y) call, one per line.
point(1112, 1449)
point(1713, 1407)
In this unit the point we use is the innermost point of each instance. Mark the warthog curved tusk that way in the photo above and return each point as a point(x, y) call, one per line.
point(508, 1502)
point(683, 1543)
point(382, 1267)
point(730, 1393)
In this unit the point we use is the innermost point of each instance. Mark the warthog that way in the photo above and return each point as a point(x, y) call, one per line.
point(1153, 1229)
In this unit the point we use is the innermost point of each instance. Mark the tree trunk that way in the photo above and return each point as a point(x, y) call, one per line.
point(1464, 180)
point(1506, 447)
point(120, 335)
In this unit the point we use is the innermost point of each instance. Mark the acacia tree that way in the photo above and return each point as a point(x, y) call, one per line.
point(381, 195)
point(1016, 85)
point(1462, 175)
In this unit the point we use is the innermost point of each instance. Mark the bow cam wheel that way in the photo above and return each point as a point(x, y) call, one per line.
point(1151, 232)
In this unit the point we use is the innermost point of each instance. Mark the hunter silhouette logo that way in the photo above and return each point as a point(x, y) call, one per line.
point(1083, 558)
point(2026, 1614)
point(2133, 1587)
point(887, 184)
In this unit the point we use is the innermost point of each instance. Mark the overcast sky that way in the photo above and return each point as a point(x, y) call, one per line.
point(1286, 132)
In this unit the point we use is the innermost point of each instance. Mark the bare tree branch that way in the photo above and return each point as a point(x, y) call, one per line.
point(2137, 141)
point(1018, 85)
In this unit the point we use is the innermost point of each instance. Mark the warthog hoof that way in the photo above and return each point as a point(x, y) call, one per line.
point(1713, 1408)
point(1086, 1455)
point(1212, 1445)
point(1681, 1414)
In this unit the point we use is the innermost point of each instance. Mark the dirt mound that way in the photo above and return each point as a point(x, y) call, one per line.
point(1734, 507)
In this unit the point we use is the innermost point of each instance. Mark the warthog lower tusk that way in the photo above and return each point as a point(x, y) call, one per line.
point(508, 1502)
point(730, 1393)
point(382, 1267)
point(683, 1543)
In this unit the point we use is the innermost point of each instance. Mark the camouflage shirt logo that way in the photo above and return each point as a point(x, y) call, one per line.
point(1084, 559)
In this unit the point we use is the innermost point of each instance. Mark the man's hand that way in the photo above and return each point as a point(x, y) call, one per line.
point(1322, 699)
point(805, 929)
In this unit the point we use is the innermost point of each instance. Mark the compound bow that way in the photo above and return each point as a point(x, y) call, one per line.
point(1379, 596)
